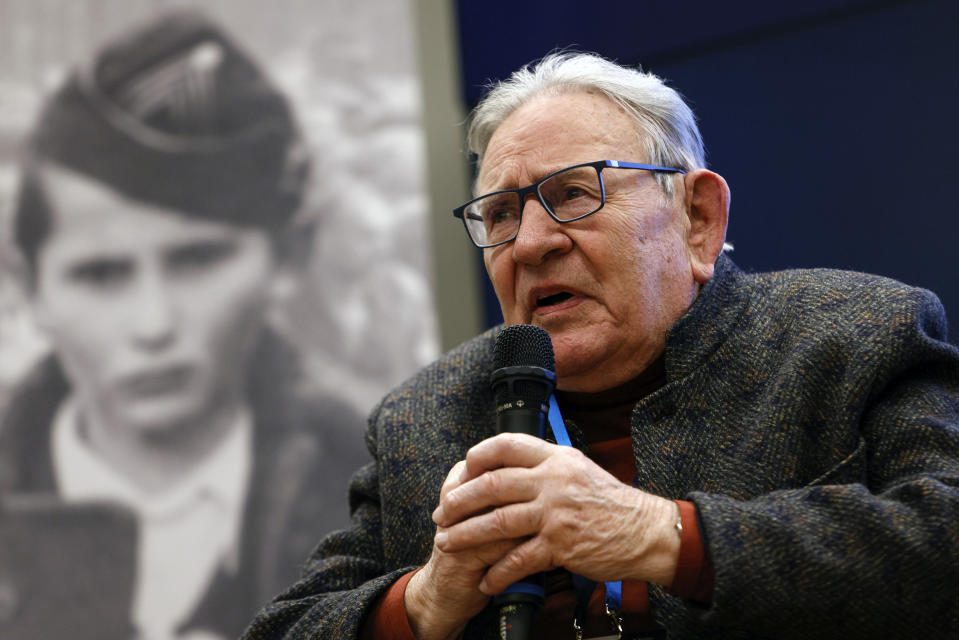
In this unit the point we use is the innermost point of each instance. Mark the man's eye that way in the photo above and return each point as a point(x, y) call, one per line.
point(200, 255)
point(498, 216)
point(102, 273)
point(572, 193)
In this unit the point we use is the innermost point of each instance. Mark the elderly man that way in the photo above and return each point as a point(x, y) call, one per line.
point(161, 187)
point(769, 455)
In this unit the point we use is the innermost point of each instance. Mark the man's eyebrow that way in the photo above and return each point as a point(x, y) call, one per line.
point(537, 176)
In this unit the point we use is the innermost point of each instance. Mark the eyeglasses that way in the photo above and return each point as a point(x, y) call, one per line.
point(567, 195)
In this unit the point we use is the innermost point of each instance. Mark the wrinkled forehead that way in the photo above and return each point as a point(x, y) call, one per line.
point(550, 132)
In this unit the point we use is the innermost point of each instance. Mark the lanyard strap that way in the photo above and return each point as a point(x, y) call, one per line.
point(556, 423)
point(582, 586)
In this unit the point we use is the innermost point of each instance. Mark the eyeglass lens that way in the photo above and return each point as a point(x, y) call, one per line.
point(569, 194)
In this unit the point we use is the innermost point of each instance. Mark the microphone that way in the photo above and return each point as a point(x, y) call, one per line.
point(522, 381)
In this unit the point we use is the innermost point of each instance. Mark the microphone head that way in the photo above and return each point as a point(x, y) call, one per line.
point(524, 345)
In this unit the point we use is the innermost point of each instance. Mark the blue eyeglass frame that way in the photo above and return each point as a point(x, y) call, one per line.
point(599, 165)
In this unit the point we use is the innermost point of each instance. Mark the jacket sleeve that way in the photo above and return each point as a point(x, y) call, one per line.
point(343, 577)
point(869, 549)
point(415, 435)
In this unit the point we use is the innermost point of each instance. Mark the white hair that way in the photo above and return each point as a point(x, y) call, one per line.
point(665, 125)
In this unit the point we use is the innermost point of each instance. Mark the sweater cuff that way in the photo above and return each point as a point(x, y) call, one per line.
point(694, 573)
point(387, 618)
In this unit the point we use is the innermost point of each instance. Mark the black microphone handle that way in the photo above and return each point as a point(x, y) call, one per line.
point(529, 421)
point(522, 380)
point(517, 609)
point(516, 616)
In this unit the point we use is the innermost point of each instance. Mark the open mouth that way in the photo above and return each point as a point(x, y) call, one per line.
point(554, 299)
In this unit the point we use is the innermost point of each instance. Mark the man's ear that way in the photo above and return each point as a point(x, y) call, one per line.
point(707, 205)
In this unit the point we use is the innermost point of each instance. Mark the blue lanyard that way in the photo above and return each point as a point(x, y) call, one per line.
point(614, 590)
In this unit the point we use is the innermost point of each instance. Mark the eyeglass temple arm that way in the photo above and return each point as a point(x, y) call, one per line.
point(640, 165)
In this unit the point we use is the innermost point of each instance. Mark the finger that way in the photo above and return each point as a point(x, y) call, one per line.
point(449, 583)
point(506, 450)
point(470, 565)
point(522, 560)
point(505, 523)
point(491, 489)
point(478, 558)
point(454, 478)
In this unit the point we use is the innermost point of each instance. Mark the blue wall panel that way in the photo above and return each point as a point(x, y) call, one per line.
point(834, 122)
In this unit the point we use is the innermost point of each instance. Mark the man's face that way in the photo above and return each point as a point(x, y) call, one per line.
point(623, 274)
point(152, 314)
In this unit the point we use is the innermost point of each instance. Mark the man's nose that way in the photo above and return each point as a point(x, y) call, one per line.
point(154, 313)
point(539, 235)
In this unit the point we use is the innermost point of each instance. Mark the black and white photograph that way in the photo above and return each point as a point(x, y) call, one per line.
point(213, 265)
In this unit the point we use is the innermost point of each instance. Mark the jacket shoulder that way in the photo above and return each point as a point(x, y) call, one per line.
point(461, 371)
point(832, 301)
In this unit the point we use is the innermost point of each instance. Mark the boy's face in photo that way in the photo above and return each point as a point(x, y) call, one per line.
point(152, 313)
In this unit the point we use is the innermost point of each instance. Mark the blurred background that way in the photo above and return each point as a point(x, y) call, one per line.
point(832, 120)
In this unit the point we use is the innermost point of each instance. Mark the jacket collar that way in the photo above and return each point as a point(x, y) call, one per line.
point(707, 322)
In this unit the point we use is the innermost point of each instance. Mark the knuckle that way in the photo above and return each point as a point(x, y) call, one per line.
point(514, 561)
point(501, 521)
point(491, 483)
point(457, 470)
point(510, 440)
point(453, 477)
point(473, 456)
point(452, 500)
point(574, 456)
point(520, 558)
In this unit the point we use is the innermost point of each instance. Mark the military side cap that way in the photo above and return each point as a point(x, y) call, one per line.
point(175, 113)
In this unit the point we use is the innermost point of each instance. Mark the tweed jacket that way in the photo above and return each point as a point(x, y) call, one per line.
point(812, 417)
point(305, 449)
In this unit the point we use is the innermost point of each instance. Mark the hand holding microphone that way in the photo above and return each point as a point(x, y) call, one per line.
point(522, 381)
point(518, 505)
